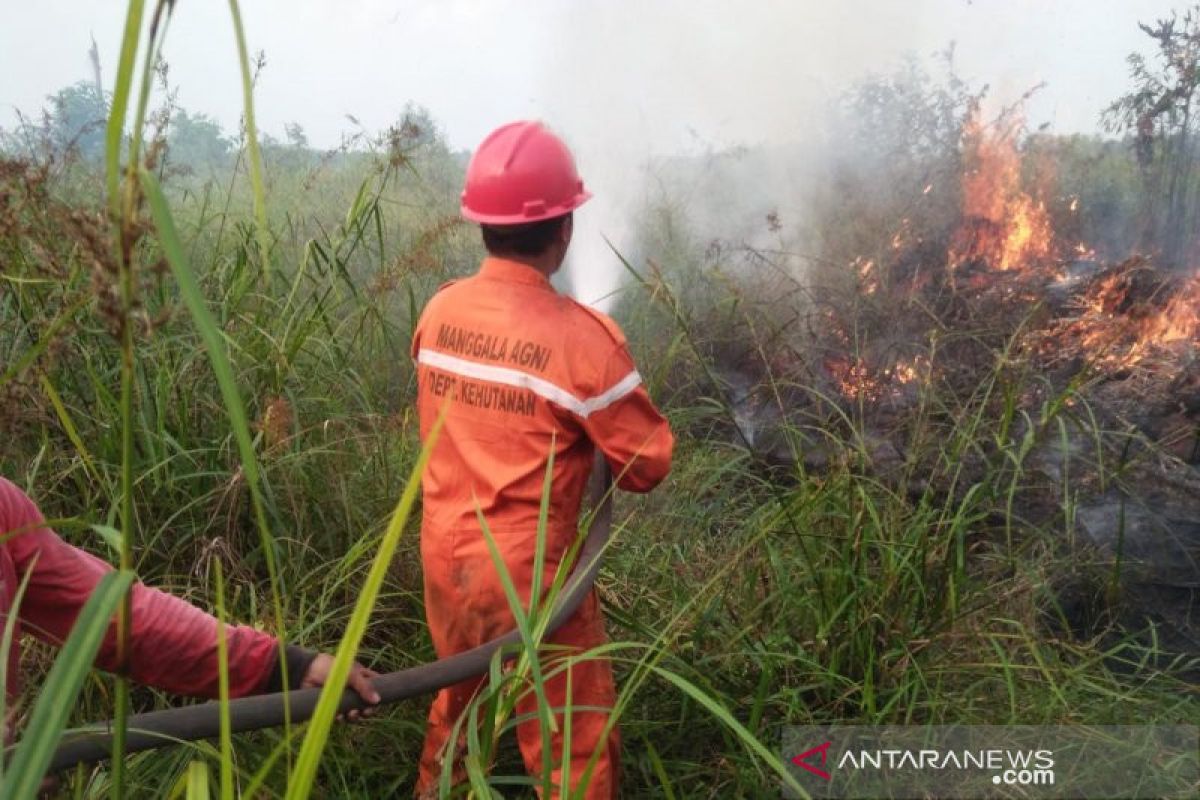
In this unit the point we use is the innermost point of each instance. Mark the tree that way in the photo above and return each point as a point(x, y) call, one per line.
point(75, 119)
point(296, 137)
point(197, 140)
point(1160, 112)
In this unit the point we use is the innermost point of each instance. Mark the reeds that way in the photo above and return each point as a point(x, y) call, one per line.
point(741, 596)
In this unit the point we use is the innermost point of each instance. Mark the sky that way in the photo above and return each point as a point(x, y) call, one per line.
point(621, 80)
point(669, 74)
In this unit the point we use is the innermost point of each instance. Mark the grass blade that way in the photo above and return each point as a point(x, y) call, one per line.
point(120, 104)
point(529, 655)
point(223, 688)
point(193, 784)
point(6, 640)
point(45, 339)
point(747, 738)
point(214, 343)
point(64, 418)
point(256, 170)
point(57, 698)
point(305, 772)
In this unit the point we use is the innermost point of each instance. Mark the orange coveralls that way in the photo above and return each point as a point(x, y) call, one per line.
point(524, 369)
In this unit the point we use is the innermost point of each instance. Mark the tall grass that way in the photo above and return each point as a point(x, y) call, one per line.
point(252, 413)
point(51, 712)
point(300, 783)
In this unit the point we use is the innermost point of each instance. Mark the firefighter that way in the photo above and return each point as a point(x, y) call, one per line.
point(523, 371)
point(172, 644)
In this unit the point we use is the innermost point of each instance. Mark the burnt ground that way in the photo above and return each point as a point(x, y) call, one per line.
point(881, 367)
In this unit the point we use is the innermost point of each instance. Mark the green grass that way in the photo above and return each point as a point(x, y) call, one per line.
point(51, 711)
point(229, 392)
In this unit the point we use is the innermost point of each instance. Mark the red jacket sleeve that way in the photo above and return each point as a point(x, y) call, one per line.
point(173, 644)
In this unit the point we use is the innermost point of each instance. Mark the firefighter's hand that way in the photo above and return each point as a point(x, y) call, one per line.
point(359, 681)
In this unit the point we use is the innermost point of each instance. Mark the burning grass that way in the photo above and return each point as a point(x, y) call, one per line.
point(1003, 226)
point(991, 395)
point(1130, 322)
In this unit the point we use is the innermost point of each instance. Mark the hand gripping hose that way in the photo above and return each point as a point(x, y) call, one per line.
point(202, 721)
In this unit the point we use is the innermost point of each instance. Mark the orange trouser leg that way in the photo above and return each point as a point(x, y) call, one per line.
point(465, 606)
point(592, 686)
point(447, 707)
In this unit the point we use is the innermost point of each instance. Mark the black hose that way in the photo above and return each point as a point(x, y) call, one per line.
point(203, 721)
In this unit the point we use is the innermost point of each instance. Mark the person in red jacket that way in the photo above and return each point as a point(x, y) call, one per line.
point(172, 644)
point(523, 373)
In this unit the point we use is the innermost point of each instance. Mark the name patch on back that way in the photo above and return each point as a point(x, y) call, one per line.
point(493, 347)
point(508, 399)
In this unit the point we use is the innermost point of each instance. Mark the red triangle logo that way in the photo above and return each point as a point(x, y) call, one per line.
point(802, 759)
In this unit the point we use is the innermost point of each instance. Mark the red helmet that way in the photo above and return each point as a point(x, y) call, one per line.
point(521, 173)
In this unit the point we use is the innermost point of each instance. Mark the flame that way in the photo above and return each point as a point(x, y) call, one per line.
point(868, 281)
point(834, 326)
point(902, 234)
point(1179, 321)
point(905, 372)
point(857, 380)
point(1004, 227)
point(853, 378)
point(1121, 325)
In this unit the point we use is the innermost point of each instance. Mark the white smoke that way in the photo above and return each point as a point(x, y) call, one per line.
point(630, 89)
point(629, 84)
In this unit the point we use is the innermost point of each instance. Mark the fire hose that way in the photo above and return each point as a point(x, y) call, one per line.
point(203, 721)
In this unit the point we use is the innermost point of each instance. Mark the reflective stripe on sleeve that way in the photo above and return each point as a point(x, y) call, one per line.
point(507, 376)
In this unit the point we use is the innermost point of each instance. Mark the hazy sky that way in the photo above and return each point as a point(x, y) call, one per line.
point(621, 80)
point(662, 73)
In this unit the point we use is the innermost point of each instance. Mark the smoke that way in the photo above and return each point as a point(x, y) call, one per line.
point(748, 89)
point(634, 92)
